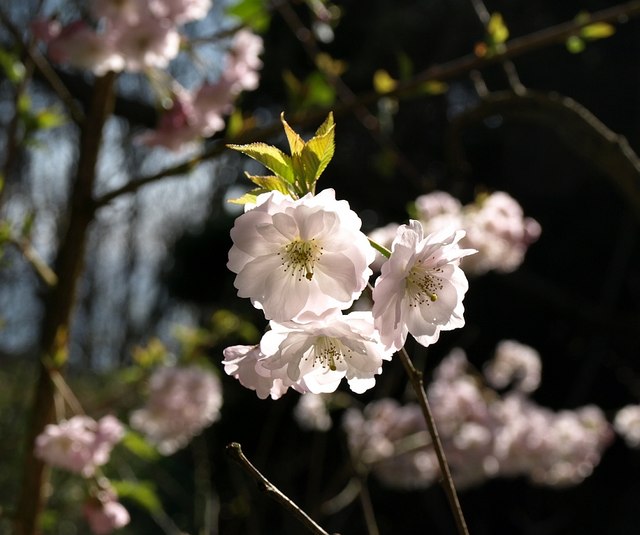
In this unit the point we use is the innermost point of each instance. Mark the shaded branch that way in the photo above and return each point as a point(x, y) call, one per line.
point(415, 378)
point(235, 452)
point(572, 123)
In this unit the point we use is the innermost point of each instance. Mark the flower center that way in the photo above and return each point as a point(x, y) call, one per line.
point(326, 351)
point(422, 285)
point(299, 257)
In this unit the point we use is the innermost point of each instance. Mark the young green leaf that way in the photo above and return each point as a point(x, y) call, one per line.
point(249, 197)
point(271, 183)
point(271, 157)
point(295, 141)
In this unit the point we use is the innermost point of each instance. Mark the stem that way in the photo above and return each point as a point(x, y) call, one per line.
point(60, 301)
point(235, 451)
point(415, 377)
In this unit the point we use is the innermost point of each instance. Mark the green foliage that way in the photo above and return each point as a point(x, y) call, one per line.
point(136, 444)
point(313, 91)
point(12, 67)
point(253, 13)
point(143, 493)
point(295, 174)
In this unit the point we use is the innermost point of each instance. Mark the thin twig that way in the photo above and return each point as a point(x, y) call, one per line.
point(46, 274)
point(415, 377)
point(66, 392)
point(235, 452)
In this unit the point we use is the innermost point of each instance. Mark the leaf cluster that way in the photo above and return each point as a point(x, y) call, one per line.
point(294, 174)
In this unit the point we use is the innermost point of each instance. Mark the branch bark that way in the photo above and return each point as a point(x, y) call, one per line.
point(60, 301)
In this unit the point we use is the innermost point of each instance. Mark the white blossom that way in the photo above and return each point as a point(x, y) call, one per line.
point(421, 287)
point(299, 258)
point(324, 351)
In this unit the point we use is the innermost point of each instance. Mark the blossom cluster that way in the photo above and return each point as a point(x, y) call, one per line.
point(494, 225)
point(143, 36)
point(182, 401)
point(81, 445)
point(484, 434)
point(305, 261)
point(128, 35)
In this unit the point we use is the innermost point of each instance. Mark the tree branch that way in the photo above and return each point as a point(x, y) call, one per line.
point(235, 452)
point(415, 378)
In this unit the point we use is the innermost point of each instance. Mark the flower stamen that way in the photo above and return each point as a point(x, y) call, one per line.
point(299, 257)
point(422, 286)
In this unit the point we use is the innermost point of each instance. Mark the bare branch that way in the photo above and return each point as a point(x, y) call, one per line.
point(235, 452)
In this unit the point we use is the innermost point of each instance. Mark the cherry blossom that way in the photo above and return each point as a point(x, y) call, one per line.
point(627, 424)
point(182, 402)
point(421, 287)
point(79, 444)
point(324, 351)
point(246, 363)
point(299, 258)
point(514, 362)
point(104, 513)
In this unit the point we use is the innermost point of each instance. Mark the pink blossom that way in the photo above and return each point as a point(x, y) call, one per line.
point(81, 46)
point(243, 62)
point(627, 424)
point(181, 403)
point(514, 362)
point(79, 444)
point(105, 513)
point(180, 11)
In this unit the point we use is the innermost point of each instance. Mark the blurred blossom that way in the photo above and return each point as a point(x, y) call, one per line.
point(104, 513)
point(182, 401)
point(495, 226)
point(79, 444)
point(483, 435)
point(514, 363)
point(627, 425)
point(311, 412)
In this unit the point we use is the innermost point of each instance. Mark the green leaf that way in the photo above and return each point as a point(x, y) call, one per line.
point(296, 144)
point(269, 156)
point(318, 153)
point(253, 13)
point(12, 66)
point(597, 30)
point(141, 492)
point(137, 445)
point(327, 126)
point(270, 183)
point(575, 44)
point(249, 197)
point(49, 118)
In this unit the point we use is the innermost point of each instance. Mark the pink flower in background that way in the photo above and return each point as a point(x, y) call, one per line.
point(79, 45)
point(79, 444)
point(104, 513)
point(421, 287)
point(515, 363)
point(180, 11)
point(299, 258)
point(120, 11)
point(181, 403)
point(149, 43)
point(243, 61)
point(627, 424)
point(325, 351)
